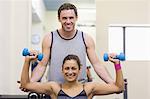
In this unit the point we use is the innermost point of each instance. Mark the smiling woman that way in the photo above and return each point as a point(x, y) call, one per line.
point(71, 88)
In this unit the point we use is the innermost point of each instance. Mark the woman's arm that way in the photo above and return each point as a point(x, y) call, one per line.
point(40, 69)
point(33, 86)
point(117, 87)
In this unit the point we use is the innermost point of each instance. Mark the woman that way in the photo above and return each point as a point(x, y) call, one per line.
point(71, 88)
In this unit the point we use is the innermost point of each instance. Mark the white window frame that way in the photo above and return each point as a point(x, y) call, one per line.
point(134, 44)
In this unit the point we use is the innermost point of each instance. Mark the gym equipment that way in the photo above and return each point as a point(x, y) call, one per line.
point(26, 52)
point(121, 57)
point(14, 96)
point(34, 95)
point(125, 93)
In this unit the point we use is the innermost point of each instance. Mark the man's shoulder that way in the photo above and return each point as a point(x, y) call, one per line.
point(47, 37)
point(50, 33)
point(82, 32)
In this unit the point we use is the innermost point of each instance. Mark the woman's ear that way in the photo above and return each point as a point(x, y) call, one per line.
point(62, 68)
point(80, 69)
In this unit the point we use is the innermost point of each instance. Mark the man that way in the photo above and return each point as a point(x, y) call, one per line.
point(68, 40)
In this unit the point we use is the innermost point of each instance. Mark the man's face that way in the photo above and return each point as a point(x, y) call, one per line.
point(70, 70)
point(68, 19)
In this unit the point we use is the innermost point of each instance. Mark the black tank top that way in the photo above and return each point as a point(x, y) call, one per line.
point(63, 95)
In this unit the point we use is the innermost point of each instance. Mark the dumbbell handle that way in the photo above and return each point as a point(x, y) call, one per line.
point(26, 52)
point(121, 57)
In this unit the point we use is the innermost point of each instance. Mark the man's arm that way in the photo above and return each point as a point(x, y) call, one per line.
point(93, 58)
point(40, 69)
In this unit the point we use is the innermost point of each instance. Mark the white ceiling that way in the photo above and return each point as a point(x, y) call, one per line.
point(54, 4)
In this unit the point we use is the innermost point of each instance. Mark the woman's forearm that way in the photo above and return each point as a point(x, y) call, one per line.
point(25, 73)
point(119, 77)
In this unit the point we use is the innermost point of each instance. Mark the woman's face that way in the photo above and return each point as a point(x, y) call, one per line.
point(70, 70)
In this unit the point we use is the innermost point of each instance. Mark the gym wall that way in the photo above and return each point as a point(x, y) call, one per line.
point(125, 12)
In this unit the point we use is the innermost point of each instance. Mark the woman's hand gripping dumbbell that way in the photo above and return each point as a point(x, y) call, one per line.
point(114, 58)
point(120, 57)
point(33, 54)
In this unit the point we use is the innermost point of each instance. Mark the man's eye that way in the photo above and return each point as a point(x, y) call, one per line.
point(64, 18)
point(71, 17)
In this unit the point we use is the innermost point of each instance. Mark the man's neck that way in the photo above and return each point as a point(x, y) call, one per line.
point(66, 34)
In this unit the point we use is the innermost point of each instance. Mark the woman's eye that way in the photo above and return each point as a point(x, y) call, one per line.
point(67, 68)
point(74, 68)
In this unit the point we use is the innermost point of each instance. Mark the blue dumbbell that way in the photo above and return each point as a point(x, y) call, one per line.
point(26, 52)
point(121, 57)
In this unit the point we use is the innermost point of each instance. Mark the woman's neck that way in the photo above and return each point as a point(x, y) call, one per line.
point(71, 84)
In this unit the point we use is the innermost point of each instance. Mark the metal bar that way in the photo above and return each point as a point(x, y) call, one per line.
point(124, 39)
point(125, 93)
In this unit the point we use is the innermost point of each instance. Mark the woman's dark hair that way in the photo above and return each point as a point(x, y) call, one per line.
point(67, 6)
point(73, 57)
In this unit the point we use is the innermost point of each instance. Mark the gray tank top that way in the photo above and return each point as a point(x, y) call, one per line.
point(60, 48)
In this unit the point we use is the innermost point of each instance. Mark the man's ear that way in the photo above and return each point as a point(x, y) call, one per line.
point(58, 18)
point(77, 17)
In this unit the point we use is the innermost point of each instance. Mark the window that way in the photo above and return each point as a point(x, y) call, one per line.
point(115, 39)
point(133, 40)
